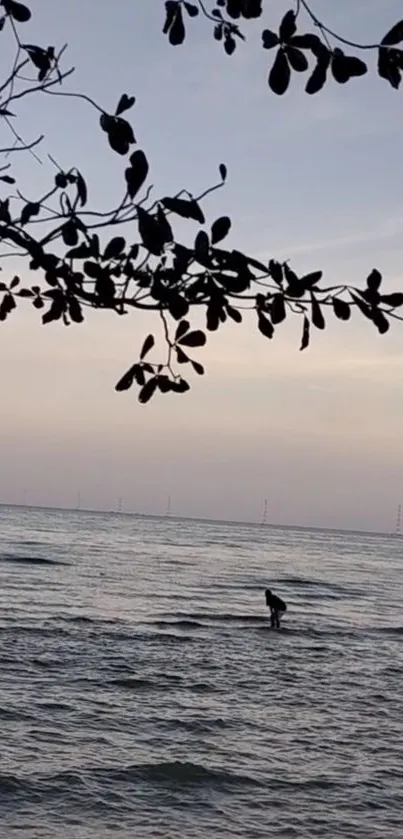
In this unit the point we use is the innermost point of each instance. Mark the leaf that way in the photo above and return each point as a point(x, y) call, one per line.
point(341, 309)
point(288, 26)
point(7, 179)
point(193, 339)
point(363, 307)
point(264, 325)
point(119, 131)
point(317, 316)
point(114, 248)
point(388, 68)
point(17, 11)
point(202, 247)
point(181, 357)
point(269, 39)
point(234, 314)
point(177, 32)
point(374, 280)
point(219, 229)
point(279, 77)
point(82, 251)
point(15, 282)
point(147, 346)
point(69, 233)
point(185, 209)
point(191, 9)
point(150, 232)
point(394, 299)
point(395, 35)
point(277, 309)
point(170, 8)
point(180, 386)
point(223, 171)
point(276, 271)
point(81, 189)
point(181, 329)
point(312, 279)
point(127, 380)
point(318, 78)
point(56, 310)
point(148, 390)
point(136, 173)
point(178, 306)
point(345, 67)
point(305, 334)
point(125, 103)
point(229, 44)
point(380, 321)
point(297, 59)
point(165, 227)
point(75, 310)
point(61, 180)
point(198, 368)
point(30, 209)
point(25, 292)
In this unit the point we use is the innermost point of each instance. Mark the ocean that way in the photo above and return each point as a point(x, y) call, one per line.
point(143, 693)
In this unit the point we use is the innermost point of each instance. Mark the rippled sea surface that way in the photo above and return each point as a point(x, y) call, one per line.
point(143, 693)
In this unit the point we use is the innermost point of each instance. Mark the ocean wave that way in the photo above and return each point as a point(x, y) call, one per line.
point(218, 617)
point(179, 624)
point(14, 559)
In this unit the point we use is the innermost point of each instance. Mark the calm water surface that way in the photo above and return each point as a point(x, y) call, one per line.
point(143, 694)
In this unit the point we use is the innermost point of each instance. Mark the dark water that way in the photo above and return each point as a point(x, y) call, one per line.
point(142, 693)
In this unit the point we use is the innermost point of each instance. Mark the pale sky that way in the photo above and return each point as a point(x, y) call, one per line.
point(317, 180)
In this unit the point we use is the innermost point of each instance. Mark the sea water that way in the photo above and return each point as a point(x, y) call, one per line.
point(143, 693)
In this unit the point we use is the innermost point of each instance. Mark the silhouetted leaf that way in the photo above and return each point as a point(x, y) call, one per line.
point(56, 310)
point(7, 179)
point(17, 11)
point(202, 247)
point(374, 280)
point(180, 386)
point(318, 78)
point(181, 329)
point(309, 280)
point(305, 334)
point(277, 308)
point(147, 346)
point(185, 209)
point(136, 173)
point(170, 8)
point(308, 42)
point(317, 316)
point(178, 306)
point(344, 67)
point(119, 131)
point(81, 189)
point(395, 35)
point(165, 227)
point(61, 180)
point(114, 248)
point(25, 292)
point(125, 103)
point(148, 390)
point(219, 229)
point(150, 232)
point(127, 380)
point(82, 251)
point(287, 26)
point(193, 339)
point(380, 321)
point(229, 44)
point(69, 233)
point(276, 271)
point(297, 59)
point(40, 58)
point(92, 269)
point(279, 77)
point(394, 299)
point(6, 306)
point(269, 39)
point(223, 171)
point(75, 310)
point(218, 32)
point(27, 212)
point(191, 9)
point(388, 67)
point(181, 357)
point(363, 307)
point(15, 282)
point(341, 309)
point(234, 314)
point(177, 32)
point(264, 325)
point(164, 383)
point(198, 368)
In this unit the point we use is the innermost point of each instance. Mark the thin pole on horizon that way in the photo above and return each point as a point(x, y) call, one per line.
point(264, 517)
point(78, 501)
point(398, 521)
point(168, 509)
point(120, 505)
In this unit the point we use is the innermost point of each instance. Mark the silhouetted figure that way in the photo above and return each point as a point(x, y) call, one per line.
point(276, 606)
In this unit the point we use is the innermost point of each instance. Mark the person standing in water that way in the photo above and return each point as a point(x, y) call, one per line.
point(277, 608)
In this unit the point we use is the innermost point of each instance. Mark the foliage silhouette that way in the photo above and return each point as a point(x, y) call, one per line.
point(82, 257)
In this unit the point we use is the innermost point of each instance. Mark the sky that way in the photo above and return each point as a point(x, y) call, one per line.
point(316, 180)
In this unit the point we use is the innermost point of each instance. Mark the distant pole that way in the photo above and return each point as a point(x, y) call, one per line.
point(168, 509)
point(120, 505)
point(399, 520)
point(264, 517)
point(78, 501)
